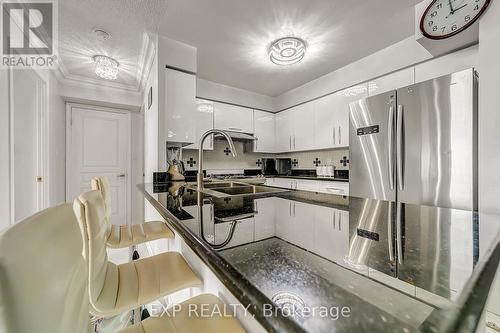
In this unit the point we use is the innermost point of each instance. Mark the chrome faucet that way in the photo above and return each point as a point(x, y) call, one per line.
point(199, 177)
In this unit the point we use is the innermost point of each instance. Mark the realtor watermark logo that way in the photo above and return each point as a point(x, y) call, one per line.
point(29, 33)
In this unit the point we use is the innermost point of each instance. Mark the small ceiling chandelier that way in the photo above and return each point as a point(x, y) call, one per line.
point(287, 51)
point(106, 67)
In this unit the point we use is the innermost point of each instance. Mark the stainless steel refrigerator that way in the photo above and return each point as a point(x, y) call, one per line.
point(412, 175)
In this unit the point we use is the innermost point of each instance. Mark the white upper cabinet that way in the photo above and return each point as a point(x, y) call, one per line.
point(303, 131)
point(392, 81)
point(203, 121)
point(284, 131)
point(180, 92)
point(264, 126)
point(233, 118)
point(325, 110)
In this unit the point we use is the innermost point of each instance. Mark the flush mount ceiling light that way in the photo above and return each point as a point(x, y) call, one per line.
point(287, 51)
point(106, 67)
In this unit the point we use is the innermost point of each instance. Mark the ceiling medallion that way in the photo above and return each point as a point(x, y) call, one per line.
point(106, 67)
point(287, 51)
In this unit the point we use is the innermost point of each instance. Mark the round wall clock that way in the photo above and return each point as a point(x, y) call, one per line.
point(446, 18)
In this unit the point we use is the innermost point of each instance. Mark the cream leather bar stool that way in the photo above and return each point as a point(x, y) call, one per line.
point(43, 276)
point(181, 321)
point(119, 236)
point(118, 288)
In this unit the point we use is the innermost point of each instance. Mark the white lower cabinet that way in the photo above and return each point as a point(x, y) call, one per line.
point(339, 188)
point(331, 233)
point(243, 233)
point(321, 186)
point(264, 218)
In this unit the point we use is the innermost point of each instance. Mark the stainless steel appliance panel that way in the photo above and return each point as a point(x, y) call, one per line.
point(436, 142)
point(372, 240)
point(438, 248)
point(372, 147)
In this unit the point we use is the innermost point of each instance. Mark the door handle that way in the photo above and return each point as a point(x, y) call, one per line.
point(400, 147)
point(122, 175)
point(390, 244)
point(390, 146)
point(399, 232)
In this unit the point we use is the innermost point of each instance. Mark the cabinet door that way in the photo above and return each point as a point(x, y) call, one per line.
point(265, 218)
point(264, 126)
point(284, 131)
point(302, 231)
point(307, 185)
point(180, 92)
point(339, 188)
point(233, 118)
point(283, 218)
point(347, 96)
point(303, 133)
point(324, 121)
point(203, 121)
point(243, 233)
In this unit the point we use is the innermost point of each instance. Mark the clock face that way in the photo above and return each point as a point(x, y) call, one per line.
point(445, 18)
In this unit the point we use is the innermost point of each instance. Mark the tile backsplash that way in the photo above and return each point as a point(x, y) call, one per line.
point(220, 158)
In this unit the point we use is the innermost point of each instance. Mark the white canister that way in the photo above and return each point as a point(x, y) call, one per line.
point(330, 170)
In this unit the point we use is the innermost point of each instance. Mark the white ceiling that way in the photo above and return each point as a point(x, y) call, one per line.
point(126, 20)
point(232, 36)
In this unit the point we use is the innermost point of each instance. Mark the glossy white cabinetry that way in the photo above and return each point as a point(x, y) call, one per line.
point(392, 81)
point(295, 129)
point(203, 121)
point(303, 127)
point(233, 118)
point(324, 121)
point(321, 186)
point(264, 131)
point(264, 218)
point(180, 92)
point(331, 233)
point(339, 188)
point(284, 131)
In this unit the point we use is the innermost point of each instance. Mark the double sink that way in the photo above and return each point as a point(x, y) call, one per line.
point(233, 189)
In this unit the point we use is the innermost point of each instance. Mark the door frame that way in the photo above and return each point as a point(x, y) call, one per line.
point(42, 124)
point(69, 132)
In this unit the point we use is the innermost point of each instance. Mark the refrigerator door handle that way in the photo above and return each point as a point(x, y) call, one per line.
point(390, 146)
point(390, 244)
point(399, 232)
point(400, 147)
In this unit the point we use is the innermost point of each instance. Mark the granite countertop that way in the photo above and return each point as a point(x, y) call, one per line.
point(322, 252)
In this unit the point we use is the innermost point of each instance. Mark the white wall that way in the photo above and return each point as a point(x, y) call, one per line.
point(219, 92)
point(4, 150)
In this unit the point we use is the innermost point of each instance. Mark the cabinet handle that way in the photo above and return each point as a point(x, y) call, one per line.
point(294, 147)
point(290, 209)
point(334, 220)
point(294, 209)
point(340, 222)
point(340, 135)
point(334, 137)
point(256, 143)
point(235, 129)
point(290, 142)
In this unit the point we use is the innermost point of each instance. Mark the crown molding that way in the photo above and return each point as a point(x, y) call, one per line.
point(146, 57)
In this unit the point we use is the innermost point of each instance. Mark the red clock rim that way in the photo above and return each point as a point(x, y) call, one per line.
point(468, 25)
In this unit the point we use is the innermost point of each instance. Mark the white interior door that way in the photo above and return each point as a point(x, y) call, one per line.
point(100, 146)
point(28, 98)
